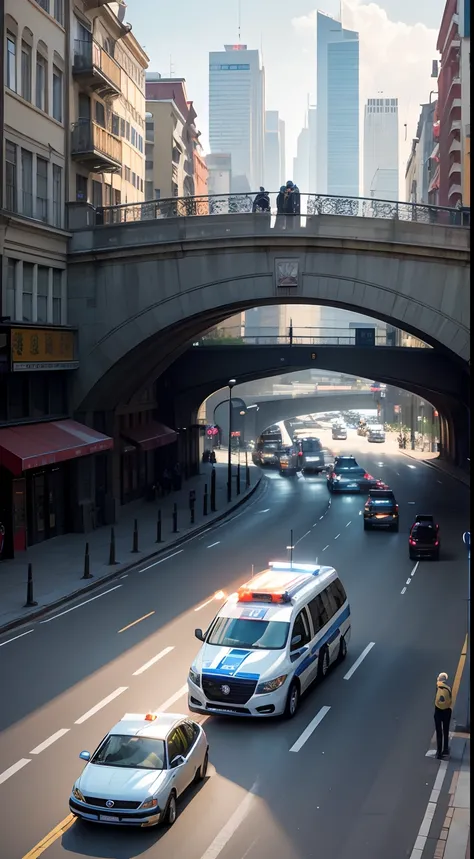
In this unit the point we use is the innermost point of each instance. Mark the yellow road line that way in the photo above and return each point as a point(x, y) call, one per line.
point(51, 837)
point(459, 671)
point(136, 621)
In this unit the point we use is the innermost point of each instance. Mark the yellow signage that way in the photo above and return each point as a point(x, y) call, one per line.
point(41, 346)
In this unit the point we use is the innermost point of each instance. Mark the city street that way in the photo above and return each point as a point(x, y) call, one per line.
point(354, 784)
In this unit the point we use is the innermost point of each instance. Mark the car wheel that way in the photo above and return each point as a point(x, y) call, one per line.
point(323, 663)
point(171, 812)
point(293, 700)
point(342, 650)
point(202, 771)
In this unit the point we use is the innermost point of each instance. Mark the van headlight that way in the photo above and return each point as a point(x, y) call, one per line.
point(271, 685)
point(77, 794)
point(195, 677)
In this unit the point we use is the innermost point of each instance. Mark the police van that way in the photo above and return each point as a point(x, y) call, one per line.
point(281, 631)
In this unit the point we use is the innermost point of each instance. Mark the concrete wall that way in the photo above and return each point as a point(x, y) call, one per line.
point(140, 292)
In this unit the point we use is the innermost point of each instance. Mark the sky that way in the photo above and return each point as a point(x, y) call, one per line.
point(397, 46)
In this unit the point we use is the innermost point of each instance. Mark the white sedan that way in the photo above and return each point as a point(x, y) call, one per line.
point(139, 770)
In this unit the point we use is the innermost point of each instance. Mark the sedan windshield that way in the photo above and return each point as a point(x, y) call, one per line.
point(132, 752)
point(249, 634)
point(352, 466)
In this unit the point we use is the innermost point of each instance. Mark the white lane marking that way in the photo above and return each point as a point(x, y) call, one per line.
point(49, 742)
point(403, 591)
point(408, 581)
point(411, 502)
point(227, 831)
point(326, 547)
point(6, 774)
point(214, 544)
point(358, 661)
point(397, 472)
point(125, 576)
point(321, 517)
point(172, 700)
point(439, 481)
point(100, 705)
point(81, 604)
point(16, 637)
point(152, 661)
point(161, 561)
point(411, 466)
point(296, 747)
point(302, 538)
point(204, 604)
point(360, 512)
point(337, 535)
point(267, 510)
point(429, 814)
point(414, 569)
point(348, 523)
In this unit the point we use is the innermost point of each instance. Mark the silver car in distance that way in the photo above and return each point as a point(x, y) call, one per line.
point(139, 770)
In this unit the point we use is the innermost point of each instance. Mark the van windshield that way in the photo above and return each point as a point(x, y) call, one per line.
point(249, 634)
point(311, 445)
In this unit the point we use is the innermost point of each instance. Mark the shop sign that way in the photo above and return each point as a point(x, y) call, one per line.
point(42, 349)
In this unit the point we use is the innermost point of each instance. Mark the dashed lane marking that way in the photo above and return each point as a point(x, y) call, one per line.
point(304, 737)
point(326, 547)
point(172, 700)
point(403, 590)
point(109, 591)
point(337, 536)
point(6, 774)
point(49, 742)
point(100, 705)
point(348, 523)
point(214, 544)
point(152, 661)
point(358, 661)
point(161, 561)
point(134, 622)
point(16, 637)
point(227, 831)
point(410, 577)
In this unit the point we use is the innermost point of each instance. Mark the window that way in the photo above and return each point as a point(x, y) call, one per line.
point(41, 189)
point(248, 633)
point(57, 94)
point(27, 304)
point(148, 190)
point(301, 627)
point(42, 294)
point(81, 188)
point(134, 177)
point(338, 593)
point(127, 174)
point(41, 82)
point(115, 125)
point(11, 289)
point(130, 752)
point(190, 731)
point(175, 746)
point(11, 62)
point(10, 176)
point(318, 613)
point(148, 165)
point(96, 193)
point(26, 71)
point(27, 182)
point(39, 396)
point(328, 602)
point(18, 395)
point(57, 198)
point(157, 194)
point(100, 114)
point(57, 394)
point(59, 11)
point(44, 4)
point(57, 295)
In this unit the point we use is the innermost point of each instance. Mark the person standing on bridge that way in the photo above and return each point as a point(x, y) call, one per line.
point(281, 201)
point(262, 201)
point(442, 714)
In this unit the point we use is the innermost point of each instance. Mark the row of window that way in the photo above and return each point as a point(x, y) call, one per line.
point(33, 185)
point(29, 396)
point(322, 608)
point(55, 8)
point(32, 83)
point(116, 125)
point(34, 293)
point(134, 178)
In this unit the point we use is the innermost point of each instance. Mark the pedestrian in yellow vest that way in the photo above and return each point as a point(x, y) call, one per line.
point(442, 714)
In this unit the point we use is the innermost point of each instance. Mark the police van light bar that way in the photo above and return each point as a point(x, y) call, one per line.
point(284, 565)
point(254, 596)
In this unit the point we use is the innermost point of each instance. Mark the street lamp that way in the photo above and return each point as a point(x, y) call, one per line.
point(231, 384)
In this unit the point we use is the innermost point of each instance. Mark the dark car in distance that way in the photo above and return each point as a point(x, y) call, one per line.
point(348, 476)
point(381, 510)
point(423, 541)
point(311, 455)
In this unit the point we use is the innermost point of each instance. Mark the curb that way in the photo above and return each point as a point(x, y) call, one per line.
point(206, 526)
point(432, 464)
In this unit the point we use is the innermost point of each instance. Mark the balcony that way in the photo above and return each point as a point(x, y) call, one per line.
point(455, 127)
point(455, 168)
point(96, 147)
point(95, 69)
point(455, 146)
point(453, 191)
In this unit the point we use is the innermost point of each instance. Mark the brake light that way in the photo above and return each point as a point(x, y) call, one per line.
point(368, 476)
point(396, 507)
point(300, 453)
point(436, 542)
point(412, 542)
point(333, 474)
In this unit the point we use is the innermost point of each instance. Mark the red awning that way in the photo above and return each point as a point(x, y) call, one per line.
point(34, 445)
point(151, 436)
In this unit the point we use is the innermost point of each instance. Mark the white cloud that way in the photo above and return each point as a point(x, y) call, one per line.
point(395, 59)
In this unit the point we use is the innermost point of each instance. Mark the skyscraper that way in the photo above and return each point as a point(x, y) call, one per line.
point(237, 113)
point(381, 149)
point(274, 171)
point(337, 136)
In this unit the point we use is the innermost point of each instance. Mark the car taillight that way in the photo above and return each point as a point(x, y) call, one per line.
point(412, 542)
point(436, 542)
point(333, 474)
point(300, 453)
point(368, 476)
point(396, 507)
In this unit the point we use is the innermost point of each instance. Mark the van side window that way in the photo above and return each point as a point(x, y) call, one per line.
point(318, 613)
point(301, 627)
point(338, 592)
point(329, 602)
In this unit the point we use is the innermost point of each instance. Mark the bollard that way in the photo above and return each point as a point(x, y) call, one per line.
point(238, 479)
point(112, 558)
point(192, 502)
point(213, 490)
point(87, 570)
point(135, 537)
point(247, 471)
point(204, 501)
point(30, 602)
point(191, 511)
point(158, 528)
point(175, 518)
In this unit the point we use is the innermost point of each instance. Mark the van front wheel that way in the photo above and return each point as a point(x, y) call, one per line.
point(293, 700)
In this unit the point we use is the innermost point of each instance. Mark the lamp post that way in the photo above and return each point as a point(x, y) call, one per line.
point(231, 384)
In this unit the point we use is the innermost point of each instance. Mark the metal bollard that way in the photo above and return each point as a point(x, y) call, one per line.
point(213, 490)
point(135, 537)
point(204, 501)
point(238, 479)
point(247, 471)
point(87, 565)
point(158, 528)
point(112, 558)
point(175, 518)
point(30, 602)
point(191, 511)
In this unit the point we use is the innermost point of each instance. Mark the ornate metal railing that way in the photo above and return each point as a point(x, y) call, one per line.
point(309, 205)
point(312, 337)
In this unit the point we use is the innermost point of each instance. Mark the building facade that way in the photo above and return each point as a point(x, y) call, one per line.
point(337, 146)
point(446, 185)
point(274, 171)
point(237, 113)
point(423, 158)
point(465, 74)
point(381, 149)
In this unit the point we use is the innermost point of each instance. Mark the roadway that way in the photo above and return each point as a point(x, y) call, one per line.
point(355, 785)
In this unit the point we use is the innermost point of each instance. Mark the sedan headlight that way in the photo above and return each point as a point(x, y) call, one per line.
point(149, 803)
point(77, 794)
point(195, 677)
point(271, 685)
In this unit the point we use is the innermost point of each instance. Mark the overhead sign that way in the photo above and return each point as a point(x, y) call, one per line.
point(42, 349)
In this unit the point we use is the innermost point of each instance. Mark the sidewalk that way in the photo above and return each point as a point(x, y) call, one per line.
point(432, 459)
point(58, 564)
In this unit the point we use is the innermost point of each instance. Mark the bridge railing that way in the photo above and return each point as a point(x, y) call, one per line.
point(84, 215)
point(312, 337)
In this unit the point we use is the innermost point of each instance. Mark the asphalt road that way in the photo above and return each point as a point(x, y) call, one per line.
point(358, 786)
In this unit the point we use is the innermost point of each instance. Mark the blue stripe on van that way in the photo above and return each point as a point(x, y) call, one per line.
point(329, 636)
